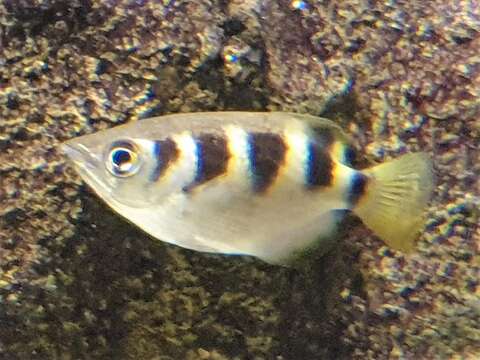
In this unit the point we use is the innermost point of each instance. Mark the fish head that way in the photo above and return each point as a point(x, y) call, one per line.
point(116, 168)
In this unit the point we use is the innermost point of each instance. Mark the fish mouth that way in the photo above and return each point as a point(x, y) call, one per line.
point(86, 165)
point(79, 155)
point(89, 166)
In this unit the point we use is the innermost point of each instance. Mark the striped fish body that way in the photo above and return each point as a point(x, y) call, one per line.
point(263, 184)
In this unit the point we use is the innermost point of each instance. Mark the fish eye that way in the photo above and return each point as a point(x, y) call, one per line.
point(123, 159)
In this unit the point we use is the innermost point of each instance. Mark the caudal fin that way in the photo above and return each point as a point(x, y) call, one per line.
point(395, 199)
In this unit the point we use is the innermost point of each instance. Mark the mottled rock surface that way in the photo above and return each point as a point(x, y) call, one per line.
point(78, 282)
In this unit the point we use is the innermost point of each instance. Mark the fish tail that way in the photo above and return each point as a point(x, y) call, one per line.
point(395, 199)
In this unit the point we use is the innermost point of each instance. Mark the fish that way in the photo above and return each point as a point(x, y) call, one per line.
point(265, 184)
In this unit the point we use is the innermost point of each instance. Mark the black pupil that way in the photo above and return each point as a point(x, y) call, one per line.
point(121, 156)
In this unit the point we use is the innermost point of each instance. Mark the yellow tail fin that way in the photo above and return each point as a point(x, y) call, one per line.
point(395, 199)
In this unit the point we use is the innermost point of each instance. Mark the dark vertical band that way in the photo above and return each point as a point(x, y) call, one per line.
point(319, 166)
point(266, 152)
point(165, 153)
point(358, 186)
point(212, 158)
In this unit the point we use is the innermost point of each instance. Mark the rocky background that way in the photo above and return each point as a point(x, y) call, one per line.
point(77, 282)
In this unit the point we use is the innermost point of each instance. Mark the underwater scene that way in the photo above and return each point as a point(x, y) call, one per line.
point(239, 179)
